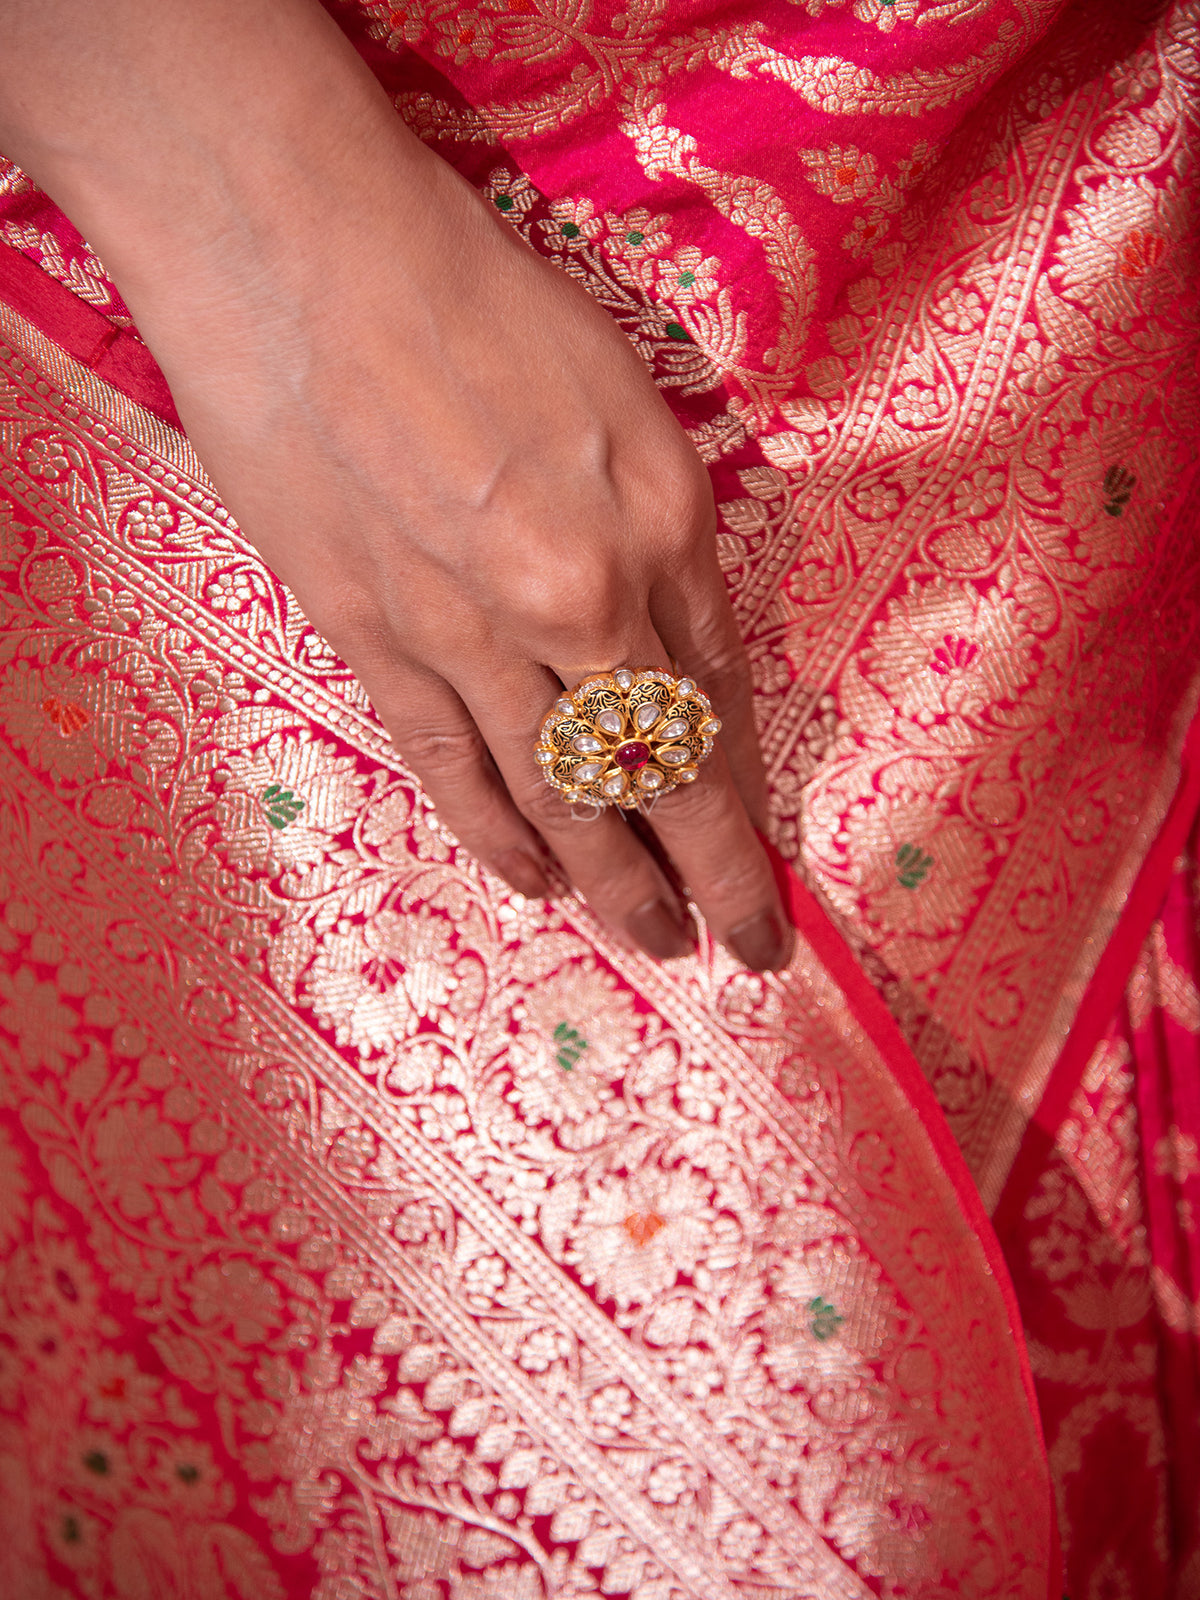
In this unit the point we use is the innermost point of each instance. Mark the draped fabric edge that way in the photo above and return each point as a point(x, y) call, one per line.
point(877, 1022)
point(1115, 964)
point(115, 354)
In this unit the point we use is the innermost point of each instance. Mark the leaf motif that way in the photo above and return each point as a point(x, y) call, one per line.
point(746, 1301)
point(444, 1388)
point(595, 1546)
point(68, 1179)
point(1062, 324)
point(418, 1361)
point(790, 452)
point(469, 1416)
point(147, 1556)
point(764, 483)
point(494, 1443)
point(237, 730)
point(185, 1358)
point(239, 1563)
point(392, 1336)
point(520, 1469)
point(570, 1522)
point(743, 516)
point(546, 1494)
point(622, 1572)
point(41, 1123)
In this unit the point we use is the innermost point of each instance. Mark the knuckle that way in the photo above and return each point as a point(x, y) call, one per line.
point(682, 478)
point(539, 600)
point(438, 747)
point(554, 590)
point(726, 672)
point(544, 807)
point(730, 675)
point(738, 882)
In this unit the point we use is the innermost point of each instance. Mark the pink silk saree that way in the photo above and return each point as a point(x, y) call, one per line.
point(367, 1230)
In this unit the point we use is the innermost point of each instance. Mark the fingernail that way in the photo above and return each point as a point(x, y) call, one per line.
point(761, 943)
point(660, 930)
point(524, 874)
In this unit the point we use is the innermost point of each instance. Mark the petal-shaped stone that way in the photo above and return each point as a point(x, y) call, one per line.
point(543, 757)
point(646, 716)
point(650, 778)
point(711, 725)
point(610, 722)
point(674, 757)
point(586, 771)
point(675, 729)
point(631, 755)
point(564, 706)
point(688, 775)
point(624, 678)
point(685, 687)
point(587, 744)
point(615, 785)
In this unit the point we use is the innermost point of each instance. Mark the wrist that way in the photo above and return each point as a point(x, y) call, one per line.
point(201, 147)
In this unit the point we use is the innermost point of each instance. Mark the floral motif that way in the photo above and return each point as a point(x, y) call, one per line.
point(1115, 246)
point(47, 717)
point(233, 590)
point(33, 1012)
point(577, 222)
point(910, 868)
point(884, 14)
point(258, 827)
point(307, 1405)
point(843, 172)
point(635, 1235)
point(45, 457)
point(961, 310)
point(946, 651)
point(149, 522)
point(921, 407)
point(561, 1087)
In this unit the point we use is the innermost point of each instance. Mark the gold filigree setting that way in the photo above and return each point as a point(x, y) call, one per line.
point(626, 737)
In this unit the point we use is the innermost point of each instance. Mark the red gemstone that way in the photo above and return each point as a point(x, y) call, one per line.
point(631, 755)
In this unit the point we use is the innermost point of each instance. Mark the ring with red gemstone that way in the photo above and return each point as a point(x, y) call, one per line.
point(624, 738)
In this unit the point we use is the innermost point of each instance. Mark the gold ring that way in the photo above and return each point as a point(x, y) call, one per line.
point(623, 738)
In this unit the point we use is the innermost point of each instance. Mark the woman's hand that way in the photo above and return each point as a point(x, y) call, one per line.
point(446, 449)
